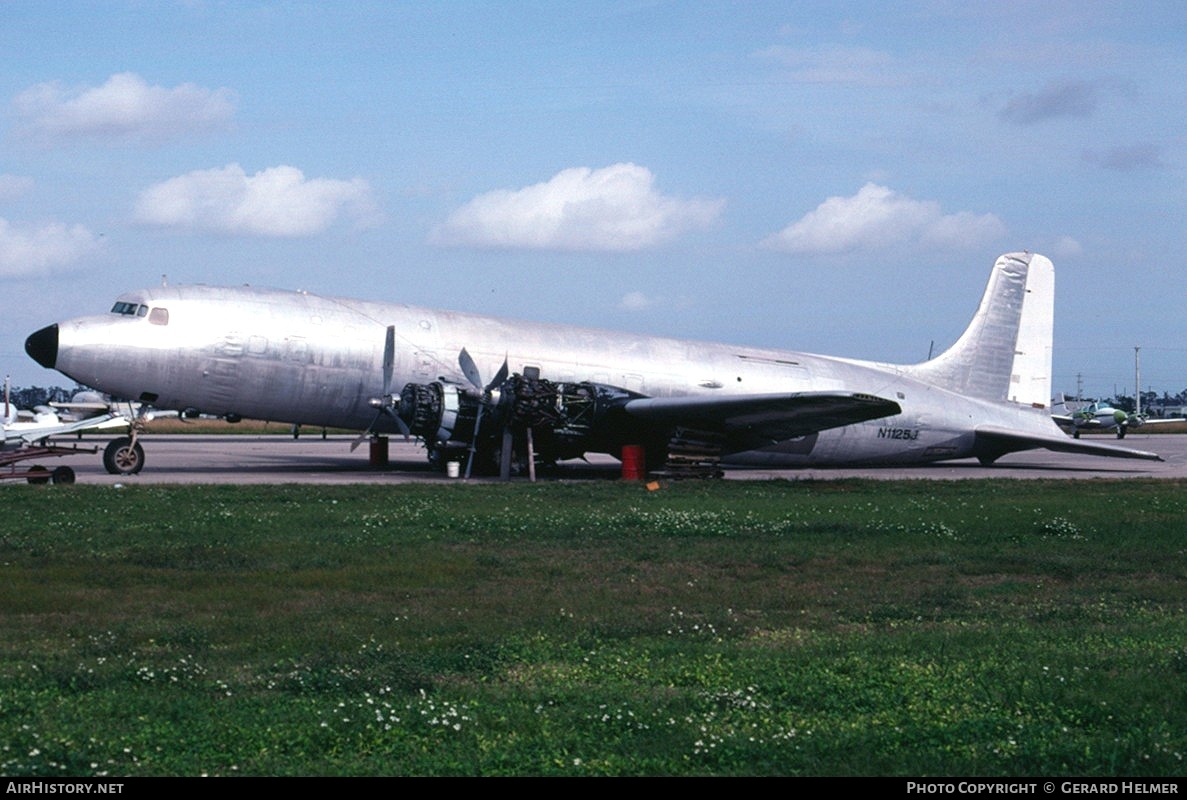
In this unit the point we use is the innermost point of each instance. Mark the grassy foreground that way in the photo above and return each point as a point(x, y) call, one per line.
point(791, 628)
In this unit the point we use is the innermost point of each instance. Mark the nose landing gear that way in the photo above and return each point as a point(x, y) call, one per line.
point(123, 456)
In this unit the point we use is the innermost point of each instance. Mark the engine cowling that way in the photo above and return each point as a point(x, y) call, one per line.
point(438, 412)
point(564, 418)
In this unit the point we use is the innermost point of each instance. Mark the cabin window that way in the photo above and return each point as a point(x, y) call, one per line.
point(295, 349)
point(159, 316)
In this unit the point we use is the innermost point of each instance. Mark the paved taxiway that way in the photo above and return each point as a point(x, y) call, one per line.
point(311, 459)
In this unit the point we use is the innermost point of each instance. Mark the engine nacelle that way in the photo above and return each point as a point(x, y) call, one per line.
point(579, 412)
point(438, 412)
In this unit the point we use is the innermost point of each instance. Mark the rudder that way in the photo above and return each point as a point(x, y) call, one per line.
point(1005, 353)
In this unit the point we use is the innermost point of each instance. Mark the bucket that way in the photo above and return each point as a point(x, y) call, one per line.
point(633, 463)
point(452, 469)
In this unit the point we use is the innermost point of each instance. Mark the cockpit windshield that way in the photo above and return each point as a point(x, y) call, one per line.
point(157, 315)
point(129, 309)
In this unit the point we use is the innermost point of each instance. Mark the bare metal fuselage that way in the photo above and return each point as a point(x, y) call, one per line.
point(301, 358)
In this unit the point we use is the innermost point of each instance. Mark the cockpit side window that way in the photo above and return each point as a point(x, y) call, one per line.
point(159, 316)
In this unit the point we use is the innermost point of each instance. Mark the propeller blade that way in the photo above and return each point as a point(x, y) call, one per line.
point(470, 369)
point(505, 455)
point(473, 441)
point(384, 402)
point(403, 426)
point(474, 376)
point(389, 360)
point(500, 376)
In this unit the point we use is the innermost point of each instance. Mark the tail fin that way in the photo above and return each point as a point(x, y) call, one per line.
point(1005, 353)
point(1059, 404)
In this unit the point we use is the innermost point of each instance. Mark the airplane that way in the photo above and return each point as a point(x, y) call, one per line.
point(29, 427)
point(27, 435)
point(82, 404)
point(499, 393)
point(1100, 416)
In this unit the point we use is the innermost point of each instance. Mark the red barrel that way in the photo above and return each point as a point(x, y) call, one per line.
point(634, 466)
point(379, 451)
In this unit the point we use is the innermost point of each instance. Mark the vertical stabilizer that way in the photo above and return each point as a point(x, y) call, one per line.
point(1005, 353)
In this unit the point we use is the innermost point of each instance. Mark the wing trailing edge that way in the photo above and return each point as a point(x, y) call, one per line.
point(993, 442)
point(752, 420)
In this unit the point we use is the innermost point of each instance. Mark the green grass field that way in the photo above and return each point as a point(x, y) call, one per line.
point(989, 628)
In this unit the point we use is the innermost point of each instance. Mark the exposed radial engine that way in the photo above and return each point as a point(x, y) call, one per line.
point(550, 420)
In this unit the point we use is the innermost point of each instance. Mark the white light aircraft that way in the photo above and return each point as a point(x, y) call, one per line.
point(28, 435)
point(25, 428)
point(46, 423)
point(498, 392)
point(1100, 416)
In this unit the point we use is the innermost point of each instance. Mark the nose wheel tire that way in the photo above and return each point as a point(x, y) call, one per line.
point(123, 457)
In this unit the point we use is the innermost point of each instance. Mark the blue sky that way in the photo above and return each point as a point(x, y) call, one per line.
point(823, 176)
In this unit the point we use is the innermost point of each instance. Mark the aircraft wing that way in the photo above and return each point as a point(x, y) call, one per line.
point(75, 412)
point(1154, 423)
point(758, 420)
point(999, 441)
point(70, 406)
point(1066, 421)
point(35, 433)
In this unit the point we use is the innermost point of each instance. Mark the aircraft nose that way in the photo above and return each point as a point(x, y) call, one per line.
point(42, 346)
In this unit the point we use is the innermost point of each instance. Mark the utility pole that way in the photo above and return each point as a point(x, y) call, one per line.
point(1137, 380)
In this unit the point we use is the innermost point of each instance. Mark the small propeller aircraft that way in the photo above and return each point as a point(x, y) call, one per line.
point(557, 392)
point(27, 435)
point(1100, 416)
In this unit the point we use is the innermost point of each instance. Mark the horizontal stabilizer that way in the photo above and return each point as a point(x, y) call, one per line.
point(761, 419)
point(993, 442)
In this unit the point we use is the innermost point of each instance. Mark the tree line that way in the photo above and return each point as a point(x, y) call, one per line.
point(33, 396)
point(1152, 402)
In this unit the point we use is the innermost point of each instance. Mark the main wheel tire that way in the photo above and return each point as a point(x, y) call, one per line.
point(42, 475)
point(123, 457)
point(62, 475)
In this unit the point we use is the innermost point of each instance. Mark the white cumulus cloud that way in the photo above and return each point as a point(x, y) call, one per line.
point(279, 201)
point(616, 209)
point(126, 107)
point(878, 217)
point(30, 250)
